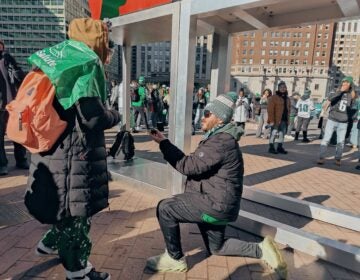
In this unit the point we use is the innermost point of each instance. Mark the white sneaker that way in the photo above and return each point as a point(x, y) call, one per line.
point(289, 137)
point(165, 262)
point(272, 256)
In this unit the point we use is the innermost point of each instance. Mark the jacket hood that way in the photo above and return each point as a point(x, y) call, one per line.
point(93, 33)
point(232, 129)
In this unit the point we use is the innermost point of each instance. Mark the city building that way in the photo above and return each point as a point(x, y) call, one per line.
point(346, 55)
point(28, 26)
point(152, 61)
point(299, 56)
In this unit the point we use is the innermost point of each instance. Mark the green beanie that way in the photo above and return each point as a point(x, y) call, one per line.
point(223, 106)
point(141, 80)
point(348, 79)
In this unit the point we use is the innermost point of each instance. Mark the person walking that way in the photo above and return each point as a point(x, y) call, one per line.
point(278, 118)
point(11, 77)
point(199, 105)
point(139, 106)
point(241, 109)
point(212, 194)
point(304, 107)
point(262, 120)
point(340, 106)
point(75, 171)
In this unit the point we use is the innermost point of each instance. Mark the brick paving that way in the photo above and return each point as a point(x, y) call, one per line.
point(127, 233)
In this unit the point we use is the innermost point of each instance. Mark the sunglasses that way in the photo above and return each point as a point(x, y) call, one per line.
point(207, 114)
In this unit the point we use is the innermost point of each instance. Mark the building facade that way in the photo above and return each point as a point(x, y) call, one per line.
point(28, 26)
point(346, 55)
point(299, 56)
point(152, 61)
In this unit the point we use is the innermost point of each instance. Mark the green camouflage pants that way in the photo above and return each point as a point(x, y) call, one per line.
point(70, 238)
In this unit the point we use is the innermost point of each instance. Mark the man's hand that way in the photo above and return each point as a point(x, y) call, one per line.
point(157, 136)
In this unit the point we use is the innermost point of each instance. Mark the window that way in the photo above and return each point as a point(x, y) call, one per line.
point(244, 51)
point(250, 61)
point(323, 53)
point(243, 61)
point(262, 61)
point(262, 52)
point(264, 43)
point(316, 86)
point(245, 43)
point(307, 44)
point(306, 53)
point(251, 52)
point(308, 35)
point(264, 34)
point(317, 54)
point(252, 44)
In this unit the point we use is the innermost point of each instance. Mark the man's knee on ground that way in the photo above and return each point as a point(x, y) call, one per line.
point(163, 206)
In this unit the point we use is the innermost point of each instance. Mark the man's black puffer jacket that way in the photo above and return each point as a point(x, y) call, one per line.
point(214, 172)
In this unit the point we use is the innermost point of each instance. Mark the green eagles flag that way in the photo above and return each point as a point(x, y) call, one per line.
point(74, 69)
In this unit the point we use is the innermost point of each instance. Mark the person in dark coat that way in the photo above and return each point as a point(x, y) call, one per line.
point(11, 77)
point(278, 118)
point(212, 194)
point(74, 172)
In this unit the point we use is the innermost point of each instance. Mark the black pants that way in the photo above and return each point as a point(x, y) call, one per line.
point(19, 151)
point(179, 209)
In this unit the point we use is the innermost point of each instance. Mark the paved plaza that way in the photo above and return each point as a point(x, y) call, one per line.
point(126, 233)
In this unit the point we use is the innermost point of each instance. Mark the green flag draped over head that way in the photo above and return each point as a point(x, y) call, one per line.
point(74, 69)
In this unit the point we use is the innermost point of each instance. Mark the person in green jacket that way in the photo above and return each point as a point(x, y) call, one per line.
point(138, 104)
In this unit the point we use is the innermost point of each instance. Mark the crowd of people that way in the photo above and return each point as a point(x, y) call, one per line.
point(74, 170)
point(280, 116)
point(150, 103)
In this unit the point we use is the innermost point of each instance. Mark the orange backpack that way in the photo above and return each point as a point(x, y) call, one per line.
point(33, 121)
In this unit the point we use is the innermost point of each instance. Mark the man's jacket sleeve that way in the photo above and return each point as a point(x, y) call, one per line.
point(207, 157)
point(94, 116)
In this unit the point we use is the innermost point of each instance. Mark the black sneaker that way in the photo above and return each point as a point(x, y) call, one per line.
point(357, 167)
point(22, 165)
point(272, 149)
point(306, 140)
point(93, 275)
point(281, 150)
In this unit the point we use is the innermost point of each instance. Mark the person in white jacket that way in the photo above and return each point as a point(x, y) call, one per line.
point(304, 107)
point(241, 109)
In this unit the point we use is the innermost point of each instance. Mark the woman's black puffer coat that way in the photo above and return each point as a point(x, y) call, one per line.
point(71, 179)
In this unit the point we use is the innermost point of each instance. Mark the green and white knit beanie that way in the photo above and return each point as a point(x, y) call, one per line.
point(307, 92)
point(223, 106)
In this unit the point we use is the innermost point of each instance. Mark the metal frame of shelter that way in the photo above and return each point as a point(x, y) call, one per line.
point(180, 22)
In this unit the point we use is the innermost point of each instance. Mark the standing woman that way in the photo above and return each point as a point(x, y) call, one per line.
point(267, 93)
point(339, 114)
point(241, 109)
point(200, 103)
